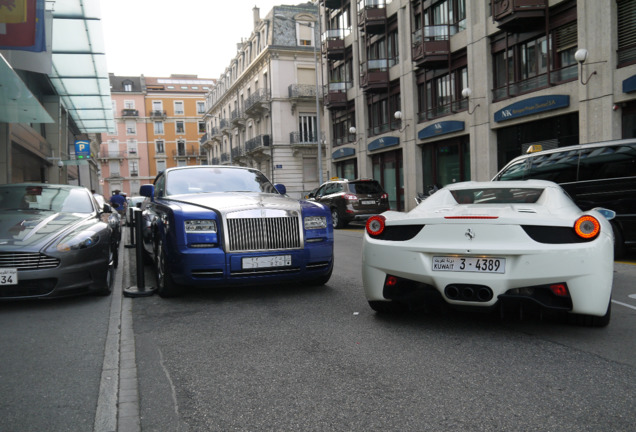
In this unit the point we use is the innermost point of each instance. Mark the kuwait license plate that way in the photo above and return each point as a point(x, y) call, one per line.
point(8, 276)
point(368, 202)
point(469, 264)
point(267, 261)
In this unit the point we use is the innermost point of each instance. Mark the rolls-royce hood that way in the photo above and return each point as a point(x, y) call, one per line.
point(226, 202)
point(29, 228)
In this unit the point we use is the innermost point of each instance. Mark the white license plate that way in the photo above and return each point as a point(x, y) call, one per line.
point(8, 276)
point(267, 261)
point(368, 202)
point(469, 264)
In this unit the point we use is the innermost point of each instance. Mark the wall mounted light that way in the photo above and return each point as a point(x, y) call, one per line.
point(581, 55)
point(398, 116)
point(466, 93)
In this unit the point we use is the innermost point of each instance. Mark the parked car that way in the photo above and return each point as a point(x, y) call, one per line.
point(351, 200)
point(601, 174)
point(55, 240)
point(135, 201)
point(223, 225)
point(513, 245)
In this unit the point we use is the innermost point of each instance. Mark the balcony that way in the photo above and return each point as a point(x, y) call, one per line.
point(372, 16)
point(158, 114)
point(215, 161)
point(225, 157)
point(112, 154)
point(128, 112)
point(257, 143)
point(224, 126)
point(187, 153)
point(519, 15)
point(374, 74)
point(237, 117)
point(238, 153)
point(257, 103)
point(333, 44)
point(302, 91)
point(432, 49)
point(134, 173)
point(303, 138)
point(333, 4)
point(336, 96)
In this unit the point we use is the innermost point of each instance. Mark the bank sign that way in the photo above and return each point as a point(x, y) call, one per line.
point(531, 106)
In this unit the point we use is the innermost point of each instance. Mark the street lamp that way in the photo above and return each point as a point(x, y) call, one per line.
point(317, 65)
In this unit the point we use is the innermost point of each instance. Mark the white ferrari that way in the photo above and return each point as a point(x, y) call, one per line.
point(507, 245)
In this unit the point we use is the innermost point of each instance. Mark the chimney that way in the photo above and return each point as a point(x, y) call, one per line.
point(257, 16)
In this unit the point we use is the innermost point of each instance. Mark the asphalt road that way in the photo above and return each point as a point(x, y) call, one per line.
point(307, 358)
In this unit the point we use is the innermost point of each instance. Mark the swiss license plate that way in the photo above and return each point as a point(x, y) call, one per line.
point(8, 276)
point(267, 261)
point(368, 202)
point(469, 264)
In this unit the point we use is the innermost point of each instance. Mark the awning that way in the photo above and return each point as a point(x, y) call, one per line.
point(17, 103)
point(80, 74)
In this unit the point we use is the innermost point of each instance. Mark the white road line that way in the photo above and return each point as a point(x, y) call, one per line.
point(624, 304)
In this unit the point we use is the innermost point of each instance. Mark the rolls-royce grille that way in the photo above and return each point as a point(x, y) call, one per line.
point(27, 260)
point(270, 233)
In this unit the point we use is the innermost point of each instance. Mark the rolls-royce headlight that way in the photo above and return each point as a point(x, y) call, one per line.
point(77, 241)
point(315, 222)
point(200, 226)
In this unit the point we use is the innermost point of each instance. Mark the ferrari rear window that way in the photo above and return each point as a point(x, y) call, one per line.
point(497, 195)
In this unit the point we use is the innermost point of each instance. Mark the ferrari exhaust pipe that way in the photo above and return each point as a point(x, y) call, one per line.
point(452, 292)
point(475, 293)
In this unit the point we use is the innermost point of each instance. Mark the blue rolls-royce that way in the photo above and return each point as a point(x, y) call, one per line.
point(215, 226)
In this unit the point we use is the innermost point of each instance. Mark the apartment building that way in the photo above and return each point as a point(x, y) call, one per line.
point(265, 110)
point(430, 92)
point(159, 124)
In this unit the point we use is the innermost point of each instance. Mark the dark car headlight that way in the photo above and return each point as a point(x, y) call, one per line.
point(315, 222)
point(77, 241)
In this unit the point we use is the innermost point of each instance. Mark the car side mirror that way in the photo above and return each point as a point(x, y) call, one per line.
point(147, 190)
point(281, 188)
point(107, 208)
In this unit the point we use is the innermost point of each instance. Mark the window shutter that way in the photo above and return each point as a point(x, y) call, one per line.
point(626, 11)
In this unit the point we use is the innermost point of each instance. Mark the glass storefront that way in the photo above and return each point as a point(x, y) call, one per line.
point(445, 162)
point(387, 169)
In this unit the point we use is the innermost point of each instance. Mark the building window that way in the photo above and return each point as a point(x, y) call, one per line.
point(307, 129)
point(132, 147)
point(133, 166)
point(200, 107)
point(178, 108)
point(159, 147)
point(305, 32)
point(159, 128)
point(180, 126)
point(310, 169)
point(181, 148)
point(131, 127)
point(129, 104)
point(626, 10)
point(161, 166)
point(381, 109)
point(441, 95)
point(201, 127)
point(128, 86)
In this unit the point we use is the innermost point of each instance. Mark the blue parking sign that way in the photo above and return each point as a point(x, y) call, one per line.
point(82, 149)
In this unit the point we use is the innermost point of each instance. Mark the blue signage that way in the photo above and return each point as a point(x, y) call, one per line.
point(343, 152)
point(383, 142)
point(531, 106)
point(629, 85)
point(440, 128)
point(82, 149)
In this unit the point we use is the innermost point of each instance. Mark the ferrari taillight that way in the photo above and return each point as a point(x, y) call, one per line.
point(587, 227)
point(559, 289)
point(375, 225)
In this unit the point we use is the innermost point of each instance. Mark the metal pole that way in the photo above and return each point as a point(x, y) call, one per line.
point(139, 290)
point(319, 124)
point(131, 232)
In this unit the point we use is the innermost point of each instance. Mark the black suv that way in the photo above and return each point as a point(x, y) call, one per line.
point(351, 199)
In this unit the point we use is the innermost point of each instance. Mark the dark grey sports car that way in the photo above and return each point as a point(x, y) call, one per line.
point(55, 240)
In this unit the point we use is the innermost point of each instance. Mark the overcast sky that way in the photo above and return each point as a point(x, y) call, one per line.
point(164, 37)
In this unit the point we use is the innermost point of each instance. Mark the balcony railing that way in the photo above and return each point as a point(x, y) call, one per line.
point(192, 152)
point(299, 91)
point(257, 142)
point(431, 45)
point(557, 76)
point(129, 112)
point(257, 101)
point(372, 15)
point(336, 96)
point(158, 114)
point(225, 157)
point(203, 139)
point(303, 138)
point(112, 154)
point(374, 74)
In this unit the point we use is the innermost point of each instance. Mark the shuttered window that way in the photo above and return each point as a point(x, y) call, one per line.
point(626, 10)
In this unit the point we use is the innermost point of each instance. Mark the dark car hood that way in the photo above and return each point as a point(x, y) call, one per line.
point(227, 202)
point(30, 228)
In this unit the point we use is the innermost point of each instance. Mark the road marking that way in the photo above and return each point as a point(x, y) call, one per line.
point(624, 304)
point(632, 296)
